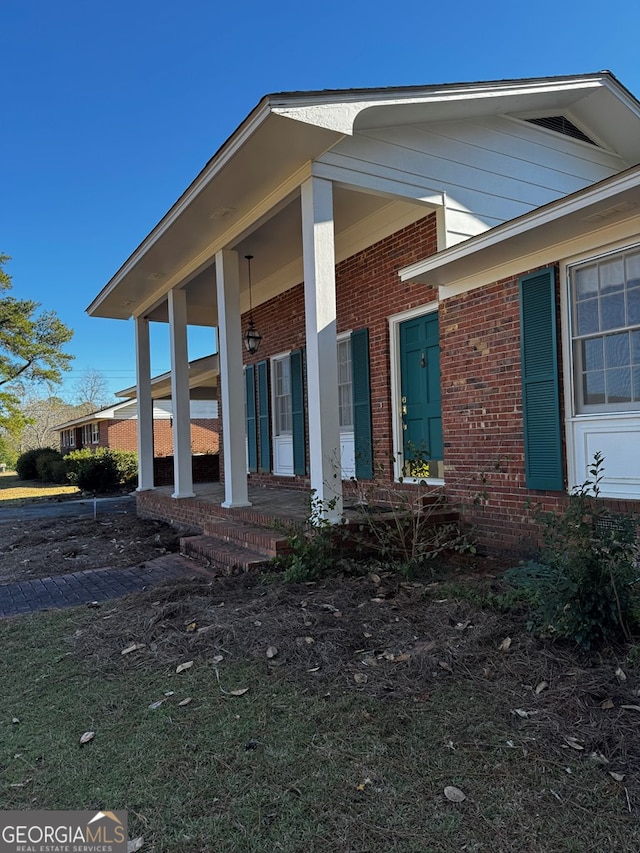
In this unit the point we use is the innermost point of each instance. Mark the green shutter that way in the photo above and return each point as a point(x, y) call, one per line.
point(250, 409)
point(264, 421)
point(361, 404)
point(540, 392)
point(297, 412)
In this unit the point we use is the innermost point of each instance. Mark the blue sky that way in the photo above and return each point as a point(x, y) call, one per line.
point(109, 110)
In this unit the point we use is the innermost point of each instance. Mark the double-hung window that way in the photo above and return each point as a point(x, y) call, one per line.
point(282, 396)
point(345, 385)
point(605, 304)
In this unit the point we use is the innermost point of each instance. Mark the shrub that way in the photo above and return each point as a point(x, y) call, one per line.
point(8, 455)
point(316, 550)
point(51, 467)
point(26, 464)
point(104, 470)
point(401, 522)
point(127, 465)
point(583, 585)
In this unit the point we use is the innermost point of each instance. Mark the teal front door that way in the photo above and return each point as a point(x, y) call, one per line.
point(421, 400)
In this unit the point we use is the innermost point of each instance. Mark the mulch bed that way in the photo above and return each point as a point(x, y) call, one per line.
point(391, 640)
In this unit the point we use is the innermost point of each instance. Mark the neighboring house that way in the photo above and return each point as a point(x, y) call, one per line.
point(445, 281)
point(116, 427)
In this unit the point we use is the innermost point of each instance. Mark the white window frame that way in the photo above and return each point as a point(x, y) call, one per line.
point(586, 408)
point(345, 338)
point(280, 439)
point(277, 360)
point(581, 426)
point(95, 432)
point(395, 321)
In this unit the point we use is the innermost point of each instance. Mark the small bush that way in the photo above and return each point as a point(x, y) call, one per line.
point(583, 585)
point(127, 464)
point(104, 470)
point(51, 467)
point(8, 455)
point(399, 522)
point(98, 474)
point(27, 462)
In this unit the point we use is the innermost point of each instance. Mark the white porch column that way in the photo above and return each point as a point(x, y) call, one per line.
point(322, 359)
point(145, 406)
point(183, 477)
point(231, 380)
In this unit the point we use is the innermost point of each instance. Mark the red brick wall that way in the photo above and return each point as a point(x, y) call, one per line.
point(122, 435)
point(482, 419)
point(368, 291)
point(204, 435)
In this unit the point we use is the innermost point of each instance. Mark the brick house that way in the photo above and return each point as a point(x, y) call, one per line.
point(414, 252)
point(116, 427)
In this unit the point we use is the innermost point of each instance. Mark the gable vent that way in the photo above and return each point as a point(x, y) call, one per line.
point(560, 124)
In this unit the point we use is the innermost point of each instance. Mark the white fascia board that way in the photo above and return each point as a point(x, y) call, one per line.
point(420, 271)
point(102, 415)
point(340, 113)
point(217, 162)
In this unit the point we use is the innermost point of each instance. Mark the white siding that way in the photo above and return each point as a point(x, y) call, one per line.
point(163, 410)
point(491, 170)
point(204, 409)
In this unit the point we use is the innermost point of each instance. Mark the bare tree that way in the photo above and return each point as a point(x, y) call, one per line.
point(41, 415)
point(91, 392)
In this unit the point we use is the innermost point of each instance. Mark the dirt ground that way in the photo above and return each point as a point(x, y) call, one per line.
point(44, 547)
point(391, 639)
point(376, 633)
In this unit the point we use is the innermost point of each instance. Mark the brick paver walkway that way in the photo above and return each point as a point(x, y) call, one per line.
point(93, 585)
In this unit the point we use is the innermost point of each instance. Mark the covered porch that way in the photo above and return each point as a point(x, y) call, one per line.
point(265, 195)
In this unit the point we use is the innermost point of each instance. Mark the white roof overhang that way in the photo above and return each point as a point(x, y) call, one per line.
point(542, 236)
point(246, 197)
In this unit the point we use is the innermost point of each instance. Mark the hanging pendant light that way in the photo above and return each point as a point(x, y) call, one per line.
point(252, 336)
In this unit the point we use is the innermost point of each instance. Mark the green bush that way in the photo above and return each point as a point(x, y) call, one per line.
point(104, 470)
point(583, 585)
point(127, 464)
point(27, 462)
point(51, 467)
point(8, 455)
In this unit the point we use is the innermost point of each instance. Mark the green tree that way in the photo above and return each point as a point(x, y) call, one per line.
point(31, 343)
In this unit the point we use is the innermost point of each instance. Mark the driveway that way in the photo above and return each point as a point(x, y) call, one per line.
point(84, 508)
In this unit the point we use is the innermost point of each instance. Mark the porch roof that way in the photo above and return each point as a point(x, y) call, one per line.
point(203, 381)
point(246, 196)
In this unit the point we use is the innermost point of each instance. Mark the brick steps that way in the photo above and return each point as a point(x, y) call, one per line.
point(232, 545)
point(259, 539)
point(228, 557)
point(241, 540)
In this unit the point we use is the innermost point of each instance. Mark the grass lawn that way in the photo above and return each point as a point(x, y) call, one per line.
point(350, 750)
point(14, 492)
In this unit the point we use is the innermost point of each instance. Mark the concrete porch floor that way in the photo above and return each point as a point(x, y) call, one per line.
point(267, 504)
